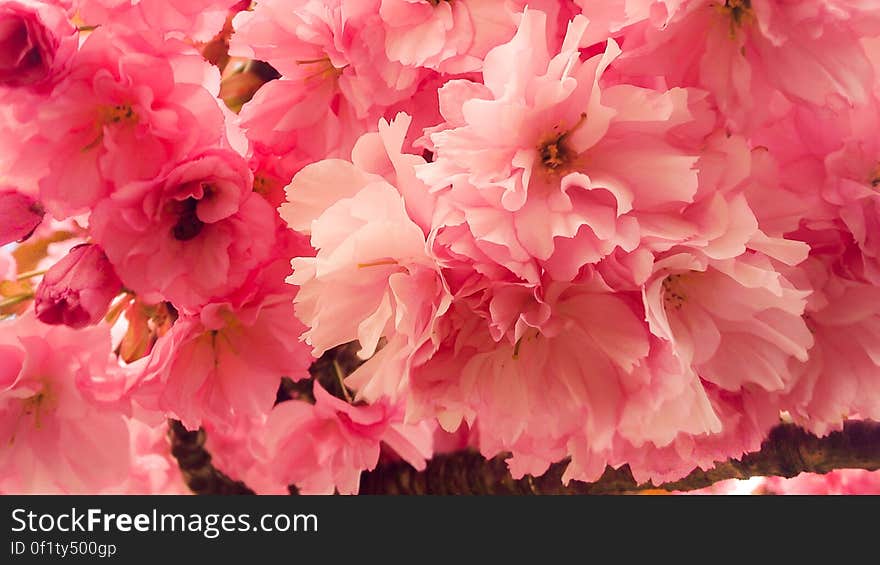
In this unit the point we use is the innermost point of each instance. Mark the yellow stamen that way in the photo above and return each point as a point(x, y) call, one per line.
point(378, 263)
point(554, 152)
point(673, 294)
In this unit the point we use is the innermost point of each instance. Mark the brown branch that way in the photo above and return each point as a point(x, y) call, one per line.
point(199, 473)
point(787, 452)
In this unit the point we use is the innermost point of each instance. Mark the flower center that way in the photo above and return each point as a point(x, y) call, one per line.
point(119, 113)
point(528, 337)
point(673, 291)
point(111, 115)
point(39, 405)
point(739, 11)
point(188, 224)
point(263, 185)
point(554, 151)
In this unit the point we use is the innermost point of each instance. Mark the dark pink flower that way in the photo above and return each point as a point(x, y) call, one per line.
point(36, 40)
point(19, 215)
point(192, 234)
point(77, 290)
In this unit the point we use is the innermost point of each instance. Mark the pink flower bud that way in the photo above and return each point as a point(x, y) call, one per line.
point(78, 289)
point(36, 40)
point(19, 216)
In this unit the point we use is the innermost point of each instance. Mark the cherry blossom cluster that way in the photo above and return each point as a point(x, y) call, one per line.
point(610, 232)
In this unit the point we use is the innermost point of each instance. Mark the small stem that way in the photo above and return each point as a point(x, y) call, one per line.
point(18, 299)
point(341, 378)
point(31, 274)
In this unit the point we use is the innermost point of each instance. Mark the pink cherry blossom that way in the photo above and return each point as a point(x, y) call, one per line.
point(123, 98)
point(192, 234)
point(738, 322)
point(838, 381)
point(199, 20)
point(19, 215)
point(537, 158)
point(77, 290)
point(373, 275)
point(774, 51)
point(153, 469)
point(533, 396)
point(336, 78)
point(594, 233)
point(448, 36)
point(228, 360)
point(36, 42)
point(341, 440)
point(61, 432)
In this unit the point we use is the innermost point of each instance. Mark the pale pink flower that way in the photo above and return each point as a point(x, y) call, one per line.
point(738, 322)
point(77, 290)
point(372, 276)
point(194, 233)
point(336, 78)
point(61, 418)
point(19, 215)
point(539, 158)
point(745, 420)
point(324, 447)
point(772, 51)
point(558, 383)
point(840, 378)
point(665, 400)
point(851, 187)
point(237, 449)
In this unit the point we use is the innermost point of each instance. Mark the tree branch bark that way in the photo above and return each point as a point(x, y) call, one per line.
point(787, 452)
point(200, 475)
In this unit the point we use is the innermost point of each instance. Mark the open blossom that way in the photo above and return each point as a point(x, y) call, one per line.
point(227, 361)
point(755, 56)
point(323, 447)
point(117, 103)
point(62, 424)
point(372, 276)
point(77, 290)
point(839, 380)
point(336, 78)
point(194, 233)
point(20, 215)
point(538, 157)
point(561, 377)
point(737, 322)
point(36, 43)
point(745, 419)
point(318, 446)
